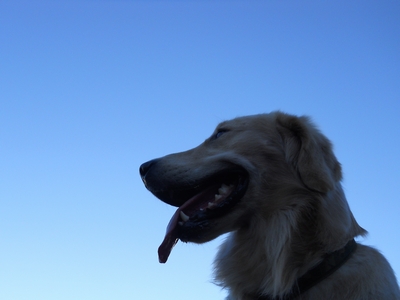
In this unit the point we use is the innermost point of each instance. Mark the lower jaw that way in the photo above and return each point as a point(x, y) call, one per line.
point(200, 227)
point(195, 232)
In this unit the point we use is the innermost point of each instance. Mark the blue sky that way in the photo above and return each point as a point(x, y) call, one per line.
point(91, 89)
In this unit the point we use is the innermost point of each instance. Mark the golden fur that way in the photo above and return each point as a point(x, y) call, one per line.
point(293, 212)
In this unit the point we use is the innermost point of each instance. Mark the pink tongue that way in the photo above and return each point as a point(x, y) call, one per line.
point(170, 239)
point(171, 236)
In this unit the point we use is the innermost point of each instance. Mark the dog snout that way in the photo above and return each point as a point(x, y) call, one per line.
point(144, 168)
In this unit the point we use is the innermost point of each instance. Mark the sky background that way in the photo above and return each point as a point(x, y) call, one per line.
point(91, 89)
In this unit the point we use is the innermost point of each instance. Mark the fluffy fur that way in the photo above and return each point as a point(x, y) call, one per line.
point(293, 212)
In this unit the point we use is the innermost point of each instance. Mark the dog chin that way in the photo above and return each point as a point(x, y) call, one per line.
point(205, 231)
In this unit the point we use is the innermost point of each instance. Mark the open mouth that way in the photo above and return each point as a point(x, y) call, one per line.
point(209, 201)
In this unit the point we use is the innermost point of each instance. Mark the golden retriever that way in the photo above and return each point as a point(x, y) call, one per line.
point(273, 182)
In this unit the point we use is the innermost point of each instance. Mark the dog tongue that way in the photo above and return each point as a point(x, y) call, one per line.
point(171, 235)
point(170, 239)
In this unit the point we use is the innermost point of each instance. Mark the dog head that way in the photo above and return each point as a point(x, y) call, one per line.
point(250, 168)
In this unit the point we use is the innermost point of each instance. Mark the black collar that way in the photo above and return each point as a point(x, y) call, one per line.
point(332, 262)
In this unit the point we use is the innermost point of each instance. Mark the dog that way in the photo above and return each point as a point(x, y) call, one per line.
point(272, 182)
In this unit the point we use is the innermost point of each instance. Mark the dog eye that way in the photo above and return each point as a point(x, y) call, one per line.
point(219, 133)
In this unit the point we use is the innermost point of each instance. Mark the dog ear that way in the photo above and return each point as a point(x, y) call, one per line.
point(310, 152)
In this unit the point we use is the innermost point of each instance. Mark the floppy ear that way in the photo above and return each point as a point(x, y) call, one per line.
point(310, 152)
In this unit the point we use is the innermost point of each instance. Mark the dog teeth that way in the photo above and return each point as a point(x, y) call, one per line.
point(211, 205)
point(223, 192)
point(184, 216)
point(217, 197)
point(225, 189)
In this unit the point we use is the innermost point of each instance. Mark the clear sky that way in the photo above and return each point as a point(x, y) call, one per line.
point(89, 90)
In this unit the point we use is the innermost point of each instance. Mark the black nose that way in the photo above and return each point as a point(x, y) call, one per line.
point(144, 168)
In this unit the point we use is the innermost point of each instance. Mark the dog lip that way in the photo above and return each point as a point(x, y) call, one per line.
point(172, 232)
point(178, 195)
point(200, 219)
point(197, 216)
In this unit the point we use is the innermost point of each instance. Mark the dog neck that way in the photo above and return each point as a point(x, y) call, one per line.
point(329, 265)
